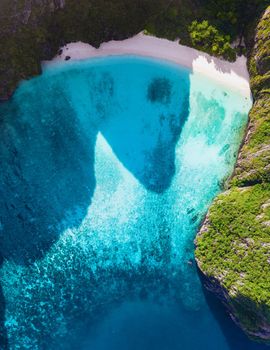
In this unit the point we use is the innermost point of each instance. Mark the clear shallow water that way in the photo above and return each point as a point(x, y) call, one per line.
point(108, 168)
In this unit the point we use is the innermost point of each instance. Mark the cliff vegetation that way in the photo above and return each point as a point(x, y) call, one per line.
point(33, 30)
point(233, 246)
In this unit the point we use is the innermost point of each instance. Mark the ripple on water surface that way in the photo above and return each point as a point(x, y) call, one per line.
point(109, 166)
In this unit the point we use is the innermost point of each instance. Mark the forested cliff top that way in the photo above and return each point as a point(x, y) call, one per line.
point(33, 30)
point(234, 243)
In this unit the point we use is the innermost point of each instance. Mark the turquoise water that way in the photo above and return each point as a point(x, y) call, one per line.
point(108, 167)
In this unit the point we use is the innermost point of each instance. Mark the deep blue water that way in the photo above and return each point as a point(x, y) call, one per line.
point(108, 167)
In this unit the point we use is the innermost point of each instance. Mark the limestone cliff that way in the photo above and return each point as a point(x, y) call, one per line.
point(233, 245)
point(33, 30)
point(22, 39)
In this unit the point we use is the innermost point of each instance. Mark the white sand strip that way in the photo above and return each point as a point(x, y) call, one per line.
point(234, 75)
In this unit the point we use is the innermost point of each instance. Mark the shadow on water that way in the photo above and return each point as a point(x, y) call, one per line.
point(3, 332)
point(47, 154)
point(48, 174)
point(146, 143)
point(47, 157)
point(48, 178)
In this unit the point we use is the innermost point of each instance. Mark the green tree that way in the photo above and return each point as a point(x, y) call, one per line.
point(233, 16)
point(206, 37)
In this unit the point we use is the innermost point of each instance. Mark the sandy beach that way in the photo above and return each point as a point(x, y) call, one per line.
point(231, 74)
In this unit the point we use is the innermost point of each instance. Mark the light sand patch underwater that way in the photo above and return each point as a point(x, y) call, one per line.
point(110, 172)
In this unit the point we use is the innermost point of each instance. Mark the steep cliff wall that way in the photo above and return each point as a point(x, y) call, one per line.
point(233, 245)
point(24, 39)
point(33, 30)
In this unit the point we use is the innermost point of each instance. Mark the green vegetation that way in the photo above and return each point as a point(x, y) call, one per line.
point(253, 165)
point(233, 16)
point(233, 247)
point(173, 22)
point(207, 38)
point(200, 22)
point(234, 244)
point(233, 250)
point(34, 31)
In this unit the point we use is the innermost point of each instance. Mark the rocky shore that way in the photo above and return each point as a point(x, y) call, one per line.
point(233, 245)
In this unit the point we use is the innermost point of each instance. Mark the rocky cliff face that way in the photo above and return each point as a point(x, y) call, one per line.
point(22, 35)
point(33, 30)
point(17, 13)
point(233, 245)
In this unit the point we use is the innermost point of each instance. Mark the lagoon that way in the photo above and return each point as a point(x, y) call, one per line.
point(108, 168)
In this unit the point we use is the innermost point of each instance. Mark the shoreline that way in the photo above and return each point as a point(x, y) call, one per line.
point(232, 74)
